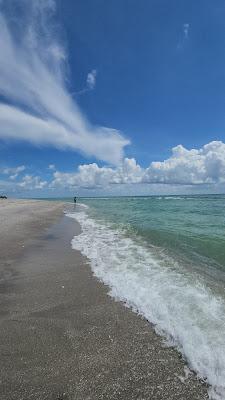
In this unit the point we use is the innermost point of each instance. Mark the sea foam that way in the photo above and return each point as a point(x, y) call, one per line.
point(182, 308)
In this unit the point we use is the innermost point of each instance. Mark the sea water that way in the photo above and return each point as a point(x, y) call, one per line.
point(164, 256)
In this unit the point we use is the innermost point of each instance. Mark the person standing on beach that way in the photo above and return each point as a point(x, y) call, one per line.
point(74, 199)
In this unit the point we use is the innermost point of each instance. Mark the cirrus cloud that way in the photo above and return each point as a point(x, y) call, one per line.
point(39, 107)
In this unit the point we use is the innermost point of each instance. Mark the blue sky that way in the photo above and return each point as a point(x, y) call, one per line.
point(81, 80)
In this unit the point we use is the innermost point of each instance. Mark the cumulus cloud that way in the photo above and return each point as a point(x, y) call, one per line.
point(13, 172)
point(92, 176)
point(190, 167)
point(30, 182)
point(204, 166)
point(27, 182)
point(185, 167)
point(39, 107)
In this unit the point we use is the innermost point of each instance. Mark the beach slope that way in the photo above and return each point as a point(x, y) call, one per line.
point(61, 336)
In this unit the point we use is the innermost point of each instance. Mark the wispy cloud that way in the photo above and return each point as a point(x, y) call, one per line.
point(39, 107)
point(90, 83)
point(186, 30)
point(13, 172)
point(91, 79)
point(184, 36)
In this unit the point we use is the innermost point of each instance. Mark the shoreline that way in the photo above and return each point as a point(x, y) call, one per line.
point(62, 336)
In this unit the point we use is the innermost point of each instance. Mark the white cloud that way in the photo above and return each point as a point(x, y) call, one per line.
point(92, 176)
point(184, 36)
point(15, 170)
point(105, 144)
point(185, 167)
point(32, 78)
point(31, 182)
point(90, 83)
point(186, 30)
point(27, 182)
point(190, 167)
point(91, 79)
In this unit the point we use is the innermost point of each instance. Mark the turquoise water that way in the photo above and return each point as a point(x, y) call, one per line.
point(164, 256)
point(191, 228)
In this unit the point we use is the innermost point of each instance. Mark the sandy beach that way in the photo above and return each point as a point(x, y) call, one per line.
point(61, 336)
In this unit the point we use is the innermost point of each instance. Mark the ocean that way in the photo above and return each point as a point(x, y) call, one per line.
point(164, 256)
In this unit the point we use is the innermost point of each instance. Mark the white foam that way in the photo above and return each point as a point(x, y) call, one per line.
point(81, 205)
point(182, 308)
point(174, 198)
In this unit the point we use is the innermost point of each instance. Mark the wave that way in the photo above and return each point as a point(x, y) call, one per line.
point(174, 198)
point(81, 205)
point(182, 308)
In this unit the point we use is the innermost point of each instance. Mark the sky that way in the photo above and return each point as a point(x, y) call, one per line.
point(112, 97)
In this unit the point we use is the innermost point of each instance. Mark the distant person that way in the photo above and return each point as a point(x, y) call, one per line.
point(75, 200)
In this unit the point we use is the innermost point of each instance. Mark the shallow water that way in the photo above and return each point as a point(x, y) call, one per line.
point(165, 257)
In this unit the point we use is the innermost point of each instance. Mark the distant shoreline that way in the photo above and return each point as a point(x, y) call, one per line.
point(128, 196)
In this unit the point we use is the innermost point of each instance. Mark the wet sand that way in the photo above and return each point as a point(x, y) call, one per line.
point(63, 338)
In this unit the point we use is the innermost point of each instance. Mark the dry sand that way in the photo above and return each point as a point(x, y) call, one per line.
point(22, 220)
point(61, 336)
